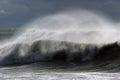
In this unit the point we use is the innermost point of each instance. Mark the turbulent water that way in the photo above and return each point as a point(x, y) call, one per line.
point(79, 45)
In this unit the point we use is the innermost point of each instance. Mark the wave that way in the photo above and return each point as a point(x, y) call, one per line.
point(68, 37)
point(105, 57)
point(48, 50)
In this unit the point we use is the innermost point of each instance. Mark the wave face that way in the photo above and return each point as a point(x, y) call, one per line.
point(48, 51)
point(106, 57)
point(79, 37)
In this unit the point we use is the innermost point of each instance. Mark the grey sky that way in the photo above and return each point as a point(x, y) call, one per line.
point(14, 13)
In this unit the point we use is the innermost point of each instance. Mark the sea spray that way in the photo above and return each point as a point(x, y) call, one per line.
point(72, 26)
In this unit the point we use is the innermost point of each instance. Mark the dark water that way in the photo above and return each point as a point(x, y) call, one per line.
point(60, 60)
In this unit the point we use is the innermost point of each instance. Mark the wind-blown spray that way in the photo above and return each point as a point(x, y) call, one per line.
point(72, 26)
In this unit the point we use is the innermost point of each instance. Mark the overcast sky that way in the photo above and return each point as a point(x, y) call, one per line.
point(14, 13)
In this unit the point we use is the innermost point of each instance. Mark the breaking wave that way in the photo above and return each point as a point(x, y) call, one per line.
point(72, 37)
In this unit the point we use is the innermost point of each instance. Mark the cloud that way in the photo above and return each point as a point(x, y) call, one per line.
point(2, 12)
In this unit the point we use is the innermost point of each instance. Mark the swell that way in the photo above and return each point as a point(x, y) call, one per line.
point(105, 57)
